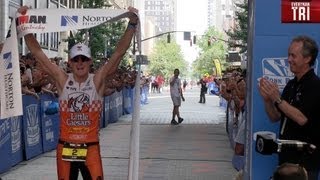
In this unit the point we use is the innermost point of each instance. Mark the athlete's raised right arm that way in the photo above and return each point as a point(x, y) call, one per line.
point(59, 76)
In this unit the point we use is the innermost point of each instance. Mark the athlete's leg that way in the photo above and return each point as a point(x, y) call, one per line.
point(94, 162)
point(63, 167)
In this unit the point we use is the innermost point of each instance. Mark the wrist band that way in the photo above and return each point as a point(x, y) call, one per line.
point(132, 25)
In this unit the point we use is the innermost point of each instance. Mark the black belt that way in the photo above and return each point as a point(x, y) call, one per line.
point(88, 143)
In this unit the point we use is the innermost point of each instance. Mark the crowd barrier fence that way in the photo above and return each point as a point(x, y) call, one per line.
point(37, 130)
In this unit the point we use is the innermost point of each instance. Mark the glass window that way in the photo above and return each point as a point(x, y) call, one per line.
point(53, 4)
point(64, 2)
point(42, 4)
point(31, 3)
point(54, 40)
point(17, 1)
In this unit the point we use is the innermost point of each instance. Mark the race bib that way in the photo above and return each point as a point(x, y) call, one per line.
point(74, 152)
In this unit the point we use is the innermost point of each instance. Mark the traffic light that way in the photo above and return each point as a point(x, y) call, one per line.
point(168, 38)
point(209, 42)
point(194, 39)
point(186, 36)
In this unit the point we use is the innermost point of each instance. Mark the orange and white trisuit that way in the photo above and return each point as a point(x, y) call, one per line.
point(80, 111)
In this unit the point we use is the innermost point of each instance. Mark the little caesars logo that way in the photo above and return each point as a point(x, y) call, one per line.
point(300, 11)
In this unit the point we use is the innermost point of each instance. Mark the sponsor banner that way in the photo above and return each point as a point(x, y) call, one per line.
point(42, 21)
point(31, 127)
point(267, 51)
point(16, 140)
point(10, 91)
point(217, 65)
point(49, 122)
point(5, 145)
point(300, 11)
point(277, 70)
point(57, 20)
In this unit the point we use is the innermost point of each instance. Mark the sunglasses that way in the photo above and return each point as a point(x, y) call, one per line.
point(80, 58)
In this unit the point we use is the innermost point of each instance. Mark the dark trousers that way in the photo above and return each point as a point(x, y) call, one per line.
point(202, 97)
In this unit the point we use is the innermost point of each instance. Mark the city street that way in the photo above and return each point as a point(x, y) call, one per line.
point(197, 149)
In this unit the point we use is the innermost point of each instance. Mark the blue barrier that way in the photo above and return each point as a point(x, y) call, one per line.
point(144, 95)
point(106, 118)
point(16, 140)
point(5, 145)
point(102, 122)
point(49, 122)
point(37, 131)
point(113, 110)
point(31, 127)
point(119, 103)
point(223, 103)
point(127, 94)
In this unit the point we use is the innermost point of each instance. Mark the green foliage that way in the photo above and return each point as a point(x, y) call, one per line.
point(216, 50)
point(239, 34)
point(165, 58)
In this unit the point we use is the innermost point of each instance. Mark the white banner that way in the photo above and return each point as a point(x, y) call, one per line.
point(42, 21)
point(10, 85)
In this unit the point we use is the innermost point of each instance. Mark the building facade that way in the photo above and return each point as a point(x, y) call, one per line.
point(164, 14)
point(221, 14)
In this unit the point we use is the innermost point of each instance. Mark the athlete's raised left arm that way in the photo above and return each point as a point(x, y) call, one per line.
point(124, 43)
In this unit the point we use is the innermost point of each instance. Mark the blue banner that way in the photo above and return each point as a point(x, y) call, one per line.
point(49, 122)
point(31, 127)
point(5, 145)
point(269, 40)
point(16, 140)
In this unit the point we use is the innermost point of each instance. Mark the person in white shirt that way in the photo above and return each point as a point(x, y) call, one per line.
point(176, 96)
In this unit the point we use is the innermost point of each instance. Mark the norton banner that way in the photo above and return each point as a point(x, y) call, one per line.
point(43, 21)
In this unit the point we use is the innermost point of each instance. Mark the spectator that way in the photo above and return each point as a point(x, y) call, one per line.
point(1, 46)
point(203, 91)
point(80, 101)
point(289, 171)
point(160, 82)
point(176, 96)
point(25, 82)
point(185, 83)
point(298, 106)
point(30, 63)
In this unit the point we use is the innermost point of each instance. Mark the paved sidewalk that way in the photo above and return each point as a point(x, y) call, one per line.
point(197, 149)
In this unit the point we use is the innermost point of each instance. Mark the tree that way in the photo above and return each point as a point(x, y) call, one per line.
point(217, 49)
point(239, 34)
point(165, 58)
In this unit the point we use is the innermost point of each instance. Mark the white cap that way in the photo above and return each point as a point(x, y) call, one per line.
point(80, 49)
